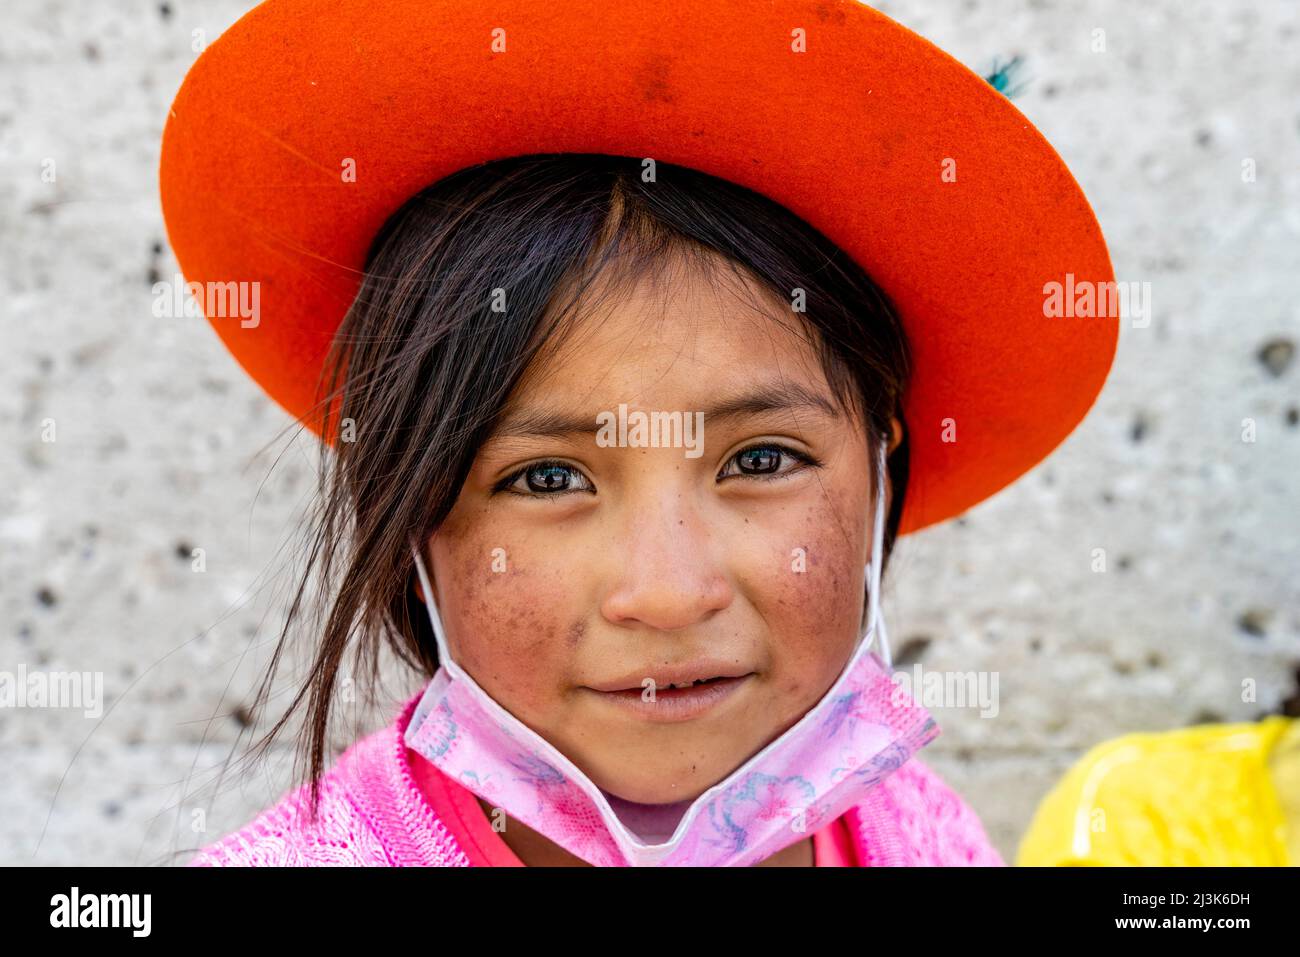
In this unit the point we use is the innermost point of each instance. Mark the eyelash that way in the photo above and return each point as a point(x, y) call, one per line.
point(802, 459)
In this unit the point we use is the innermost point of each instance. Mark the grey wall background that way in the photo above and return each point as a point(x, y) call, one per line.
point(163, 445)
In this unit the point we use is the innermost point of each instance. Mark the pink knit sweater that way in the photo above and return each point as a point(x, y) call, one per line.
point(373, 814)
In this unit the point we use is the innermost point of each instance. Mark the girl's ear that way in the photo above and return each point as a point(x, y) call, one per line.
point(896, 433)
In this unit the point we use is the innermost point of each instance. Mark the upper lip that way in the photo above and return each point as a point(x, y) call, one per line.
point(665, 675)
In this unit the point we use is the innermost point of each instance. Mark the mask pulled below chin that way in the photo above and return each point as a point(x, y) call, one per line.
point(864, 728)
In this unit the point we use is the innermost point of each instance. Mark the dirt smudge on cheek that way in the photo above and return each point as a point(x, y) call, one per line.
point(576, 631)
point(511, 649)
point(533, 637)
point(518, 624)
point(814, 615)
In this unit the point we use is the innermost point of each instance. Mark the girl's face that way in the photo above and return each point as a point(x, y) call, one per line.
point(570, 566)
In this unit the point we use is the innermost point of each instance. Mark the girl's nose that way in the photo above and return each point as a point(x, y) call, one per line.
point(668, 576)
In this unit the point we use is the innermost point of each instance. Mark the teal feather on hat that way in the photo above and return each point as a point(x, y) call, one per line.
point(1006, 77)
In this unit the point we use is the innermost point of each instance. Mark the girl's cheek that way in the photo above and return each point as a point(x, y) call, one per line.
point(507, 626)
point(818, 597)
point(814, 601)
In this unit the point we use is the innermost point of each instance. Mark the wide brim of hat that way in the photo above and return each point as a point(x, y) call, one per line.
point(854, 134)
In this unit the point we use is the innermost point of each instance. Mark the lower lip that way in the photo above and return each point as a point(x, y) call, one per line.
point(675, 704)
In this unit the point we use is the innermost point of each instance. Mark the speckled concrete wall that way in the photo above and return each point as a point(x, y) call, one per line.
point(163, 446)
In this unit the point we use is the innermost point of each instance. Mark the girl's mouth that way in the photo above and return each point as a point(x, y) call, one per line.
point(675, 702)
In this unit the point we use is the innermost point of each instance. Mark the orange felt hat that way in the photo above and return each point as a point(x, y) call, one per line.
point(913, 164)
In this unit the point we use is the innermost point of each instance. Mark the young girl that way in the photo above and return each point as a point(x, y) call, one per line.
point(618, 449)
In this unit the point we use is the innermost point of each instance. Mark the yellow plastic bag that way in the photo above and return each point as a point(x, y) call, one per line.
point(1210, 795)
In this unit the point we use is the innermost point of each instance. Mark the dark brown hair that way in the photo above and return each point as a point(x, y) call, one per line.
point(422, 364)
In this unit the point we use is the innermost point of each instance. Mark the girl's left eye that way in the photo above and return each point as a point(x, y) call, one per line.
point(762, 461)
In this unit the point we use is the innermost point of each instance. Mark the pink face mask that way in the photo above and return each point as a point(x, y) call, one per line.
point(862, 730)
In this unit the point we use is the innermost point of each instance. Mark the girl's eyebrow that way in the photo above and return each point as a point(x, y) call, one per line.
point(550, 423)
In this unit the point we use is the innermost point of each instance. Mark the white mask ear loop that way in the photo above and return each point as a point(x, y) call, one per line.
point(444, 656)
point(876, 618)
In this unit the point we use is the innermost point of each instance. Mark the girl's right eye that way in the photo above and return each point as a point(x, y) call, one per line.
point(544, 479)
